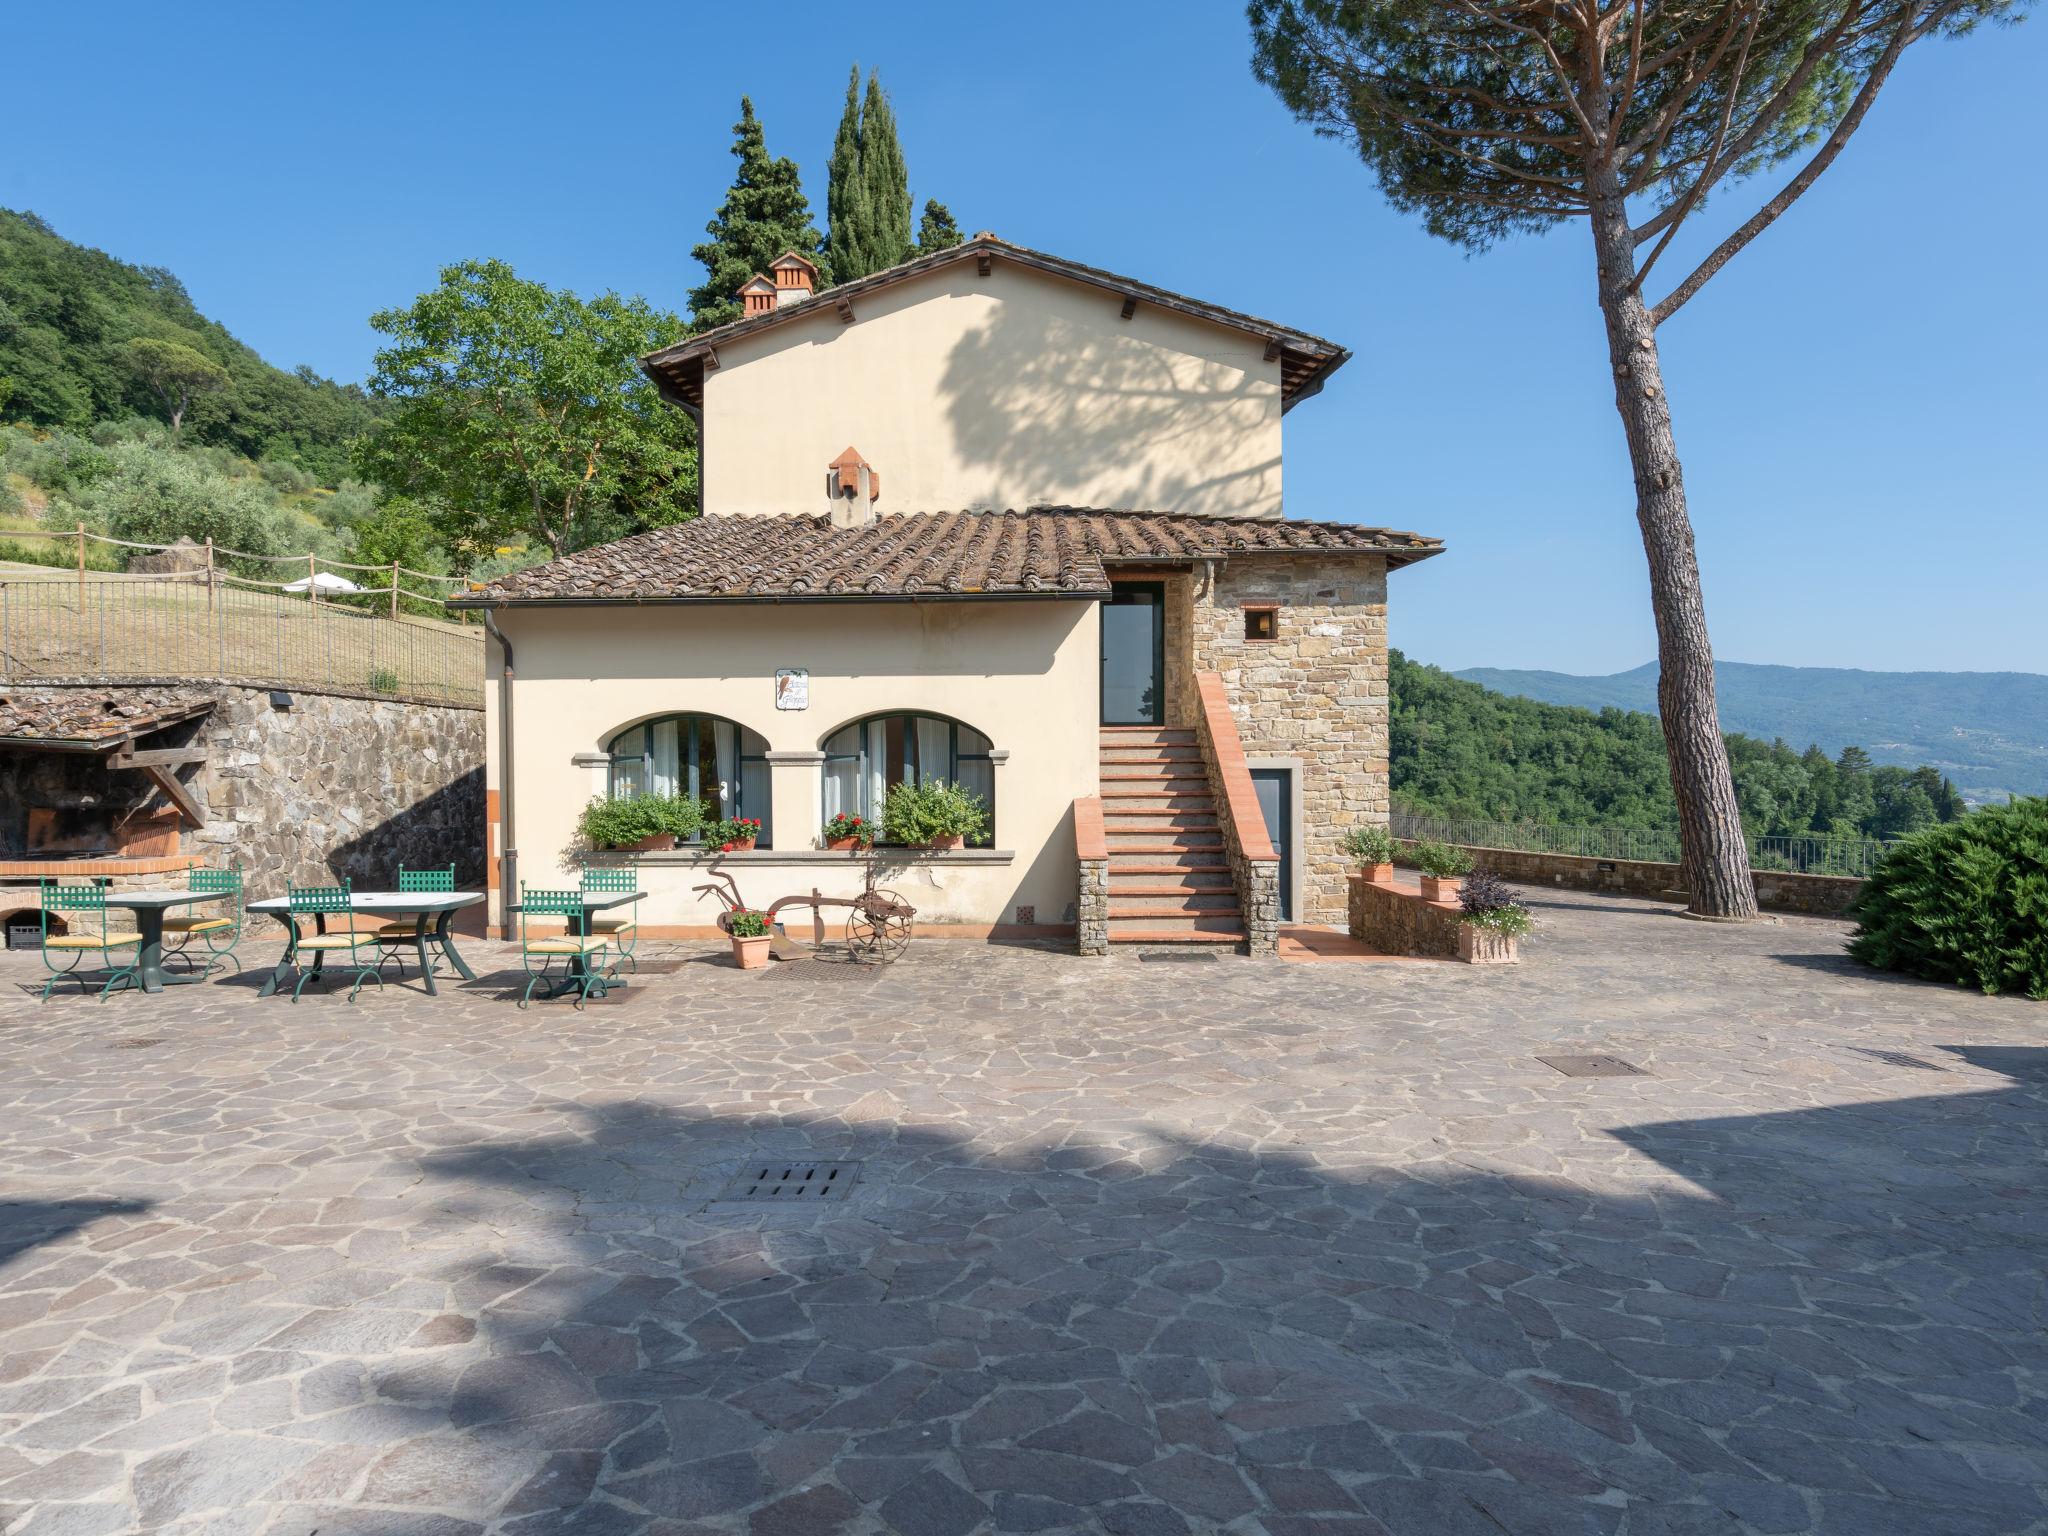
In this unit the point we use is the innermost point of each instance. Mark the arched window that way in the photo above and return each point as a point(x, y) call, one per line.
point(717, 762)
point(864, 760)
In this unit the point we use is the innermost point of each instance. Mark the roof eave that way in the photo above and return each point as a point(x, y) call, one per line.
point(1062, 594)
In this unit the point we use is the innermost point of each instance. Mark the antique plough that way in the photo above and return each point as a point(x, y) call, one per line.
point(878, 923)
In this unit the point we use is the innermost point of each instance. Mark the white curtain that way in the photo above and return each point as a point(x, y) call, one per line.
point(878, 766)
point(667, 760)
point(934, 750)
point(726, 754)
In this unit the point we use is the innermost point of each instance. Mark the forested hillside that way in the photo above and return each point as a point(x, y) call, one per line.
point(1988, 731)
point(77, 329)
point(1463, 750)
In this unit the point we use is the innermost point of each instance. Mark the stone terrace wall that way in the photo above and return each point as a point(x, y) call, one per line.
point(340, 788)
point(1396, 921)
point(1317, 692)
point(1778, 891)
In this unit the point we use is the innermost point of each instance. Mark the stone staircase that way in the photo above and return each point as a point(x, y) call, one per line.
point(1169, 879)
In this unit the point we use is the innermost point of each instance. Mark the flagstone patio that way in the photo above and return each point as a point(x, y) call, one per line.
point(1134, 1247)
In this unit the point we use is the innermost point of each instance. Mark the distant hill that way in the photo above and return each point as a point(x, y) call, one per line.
point(67, 316)
point(1987, 731)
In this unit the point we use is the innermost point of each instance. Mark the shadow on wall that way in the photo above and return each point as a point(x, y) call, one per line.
point(1058, 412)
point(1833, 1336)
point(447, 827)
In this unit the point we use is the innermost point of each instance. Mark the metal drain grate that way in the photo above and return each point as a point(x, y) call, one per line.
point(1592, 1066)
point(1897, 1059)
point(139, 1043)
point(1178, 956)
point(793, 1181)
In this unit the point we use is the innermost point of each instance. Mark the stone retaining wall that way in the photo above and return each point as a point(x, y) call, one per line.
point(328, 788)
point(1397, 921)
point(1778, 891)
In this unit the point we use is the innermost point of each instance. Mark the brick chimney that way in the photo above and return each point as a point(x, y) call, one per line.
point(796, 278)
point(757, 296)
point(853, 486)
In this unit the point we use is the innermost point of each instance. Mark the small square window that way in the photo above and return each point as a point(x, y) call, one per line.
point(1262, 623)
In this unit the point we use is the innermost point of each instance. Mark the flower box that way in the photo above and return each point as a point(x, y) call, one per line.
point(1379, 874)
point(1478, 945)
point(1441, 887)
point(751, 954)
point(950, 840)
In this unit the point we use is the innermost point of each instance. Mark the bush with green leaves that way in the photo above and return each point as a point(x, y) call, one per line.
point(621, 823)
point(1965, 901)
point(151, 496)
point(920, 813)
point(747, 924)
point(1441, 861)
point(1369, 844)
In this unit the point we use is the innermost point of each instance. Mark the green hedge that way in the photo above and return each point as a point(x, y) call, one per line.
point(1966, 902)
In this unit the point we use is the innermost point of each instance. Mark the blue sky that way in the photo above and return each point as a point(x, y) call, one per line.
point(1859, 398)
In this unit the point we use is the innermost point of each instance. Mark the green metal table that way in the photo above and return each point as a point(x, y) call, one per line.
point(437, 907)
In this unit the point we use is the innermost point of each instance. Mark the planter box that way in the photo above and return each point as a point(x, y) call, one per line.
point(661, 842)
point(752, 954)
point(954, 841)
point(1378, 874)
point(738, 845)
point(1442, 888)
point(1482, 946)
point(841, 844)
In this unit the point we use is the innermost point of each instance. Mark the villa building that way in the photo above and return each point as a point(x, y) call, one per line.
point(993, 517)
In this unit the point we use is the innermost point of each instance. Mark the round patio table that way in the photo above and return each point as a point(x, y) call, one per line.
point(149, 908)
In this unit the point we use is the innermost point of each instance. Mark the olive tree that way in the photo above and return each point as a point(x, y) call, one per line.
point(1489, 118)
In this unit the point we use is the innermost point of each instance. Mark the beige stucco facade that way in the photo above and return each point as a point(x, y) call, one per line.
point(1006, 390)
point(1023, 673)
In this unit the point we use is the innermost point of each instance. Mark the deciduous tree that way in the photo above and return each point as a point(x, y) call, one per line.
point(1493, 117)
point(522, 412)
point(175, 373)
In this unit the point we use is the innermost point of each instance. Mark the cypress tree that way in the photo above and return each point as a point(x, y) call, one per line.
point(764, 214)
point(887, 239)
point(846, 207)
point(936, 231)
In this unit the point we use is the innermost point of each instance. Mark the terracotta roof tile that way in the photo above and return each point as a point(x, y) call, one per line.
point(1050, 551)
point(93, 716)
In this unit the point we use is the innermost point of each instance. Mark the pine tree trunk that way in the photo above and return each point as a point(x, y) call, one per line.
point(1714, 850)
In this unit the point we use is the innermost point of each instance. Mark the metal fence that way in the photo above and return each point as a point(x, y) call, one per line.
point(61, 625)
point(1856, 856)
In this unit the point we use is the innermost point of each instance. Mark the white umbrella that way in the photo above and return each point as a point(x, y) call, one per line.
point(326, 581)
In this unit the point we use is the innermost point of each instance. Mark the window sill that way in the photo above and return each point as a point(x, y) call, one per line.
point(693, 858)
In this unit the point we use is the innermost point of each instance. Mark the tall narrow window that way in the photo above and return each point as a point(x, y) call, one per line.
point(865, 760)
point(718, 763)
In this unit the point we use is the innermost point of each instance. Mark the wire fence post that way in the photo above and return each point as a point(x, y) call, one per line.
point(394, 589)
point(209, 574)
point(81, 567)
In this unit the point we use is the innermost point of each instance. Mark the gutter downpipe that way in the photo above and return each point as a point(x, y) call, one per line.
point(508, 856)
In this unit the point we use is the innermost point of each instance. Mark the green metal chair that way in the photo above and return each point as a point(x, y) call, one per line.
point(318, 901)
point(219, 932)
point(624, 932)
point(395, 938)
point(85, 930)
point(590, 948)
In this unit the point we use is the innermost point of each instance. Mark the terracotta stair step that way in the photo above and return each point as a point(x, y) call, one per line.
point(1139, 864)
point(1157, 789)
point(1174, 935)
point(1218, 904)
point(1142, 753)
point(1159, 885)
point(1154, 809)
point(1146, 736)
point(1151, 842)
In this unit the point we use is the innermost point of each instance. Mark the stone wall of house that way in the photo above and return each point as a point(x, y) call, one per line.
point(340, 788)
point(1776, 890)
point(1317, 692)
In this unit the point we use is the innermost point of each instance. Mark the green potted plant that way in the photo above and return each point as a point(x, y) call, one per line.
point(932, 815)
point(1491, 918)
point(750, 939)
point(639, 823)
point(1373, 849)
point(1442, 869)
point(843, 832)
point(733, 834)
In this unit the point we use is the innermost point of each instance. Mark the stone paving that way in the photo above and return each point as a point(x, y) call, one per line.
point(1136, 1247)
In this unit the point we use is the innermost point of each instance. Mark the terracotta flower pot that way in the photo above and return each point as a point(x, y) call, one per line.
point(841, 844)
point(1378, 874)
point(951, 840)
point(737, 845)
point(1483, 946)
point(661, 842)
point(1441, 887)
point(751, 954)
